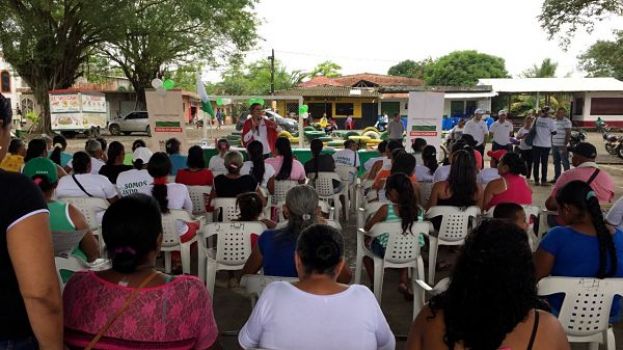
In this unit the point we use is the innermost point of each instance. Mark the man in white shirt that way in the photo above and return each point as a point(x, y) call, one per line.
point(541, 144)
point(136, 180)
point(560, 141)
point(395, 129)
point(260, 128)
point(217, 162)
point(348, 156)
point(477, 128)
point(501, 131)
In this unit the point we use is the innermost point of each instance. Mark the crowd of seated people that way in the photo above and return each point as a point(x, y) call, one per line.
point(134, 305)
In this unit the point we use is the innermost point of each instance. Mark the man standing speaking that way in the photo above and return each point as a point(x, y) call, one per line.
point(259, 128)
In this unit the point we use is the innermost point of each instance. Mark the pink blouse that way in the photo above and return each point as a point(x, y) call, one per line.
point(176, 315)
point(517, 191)
point(297, 172)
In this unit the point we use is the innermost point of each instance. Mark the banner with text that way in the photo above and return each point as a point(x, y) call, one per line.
point(166, 119)
point(424, 117)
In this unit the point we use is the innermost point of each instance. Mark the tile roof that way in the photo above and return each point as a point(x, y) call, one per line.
point(367, 79)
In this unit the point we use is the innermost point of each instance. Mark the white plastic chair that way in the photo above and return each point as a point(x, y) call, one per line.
point(425, 190)
point(324, 187)
point(455, 225)
point(69, 264)
point(233, 248)
point(586, 307)
point(402, 251)
point(198, 195)
point(254, 284)
point(543, 225)
point(171, 239)
point(90, 207)
point(278, 198)
point(348, 174)
point(225, 209)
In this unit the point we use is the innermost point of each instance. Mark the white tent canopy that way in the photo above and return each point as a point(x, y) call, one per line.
point(552, 85)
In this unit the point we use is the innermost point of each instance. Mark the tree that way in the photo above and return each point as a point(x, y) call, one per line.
point(175, 32)
point(564, 17)
point(326, 69)
point(547, 69)
point(254, 79)
point(464, 68)
point(411, 69)
point(603, 58)
point(48, 42)
point(98, 69)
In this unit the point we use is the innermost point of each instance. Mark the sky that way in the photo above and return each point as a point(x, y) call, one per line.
point(371, 36)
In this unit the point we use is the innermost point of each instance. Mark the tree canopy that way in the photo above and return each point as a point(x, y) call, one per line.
point(179, 31)
point(254, 79)
point(464, 68)
point(563, 17)
point(411, 69)
point(603, 58)
point(48, 42)
point(326, 69)
point(547, 69)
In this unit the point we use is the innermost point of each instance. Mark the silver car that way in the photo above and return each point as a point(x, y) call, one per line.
point(136, 121)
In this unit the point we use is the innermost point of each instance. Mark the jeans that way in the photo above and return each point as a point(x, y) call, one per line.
point(540, 156)
point(561, 155)
point(526, 156)
point(496, 146)
point(29, 343)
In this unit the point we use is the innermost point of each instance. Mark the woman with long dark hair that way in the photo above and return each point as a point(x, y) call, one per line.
point(255, 166)
point(461, 189)
point(168, 195)
point(196, 174)
point(319, 162)
point(58, 155)
point(585, 246)
point(511, 187)
point(491, 302)
point(114, 163)
point(424, 172)
point(286, 167)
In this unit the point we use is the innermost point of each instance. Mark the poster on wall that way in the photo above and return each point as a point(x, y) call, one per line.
point(425, 113)
point(166, 119)
point(65, 103)
point(93, 103)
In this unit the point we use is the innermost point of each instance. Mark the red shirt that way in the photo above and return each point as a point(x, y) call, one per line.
point(201, 177)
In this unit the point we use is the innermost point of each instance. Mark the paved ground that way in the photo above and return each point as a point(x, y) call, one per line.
point(232, 309)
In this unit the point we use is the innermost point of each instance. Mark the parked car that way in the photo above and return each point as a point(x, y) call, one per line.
point(136, 121)
point(288, 124)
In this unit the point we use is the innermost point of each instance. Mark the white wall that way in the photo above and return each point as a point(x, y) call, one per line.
point(586, 115)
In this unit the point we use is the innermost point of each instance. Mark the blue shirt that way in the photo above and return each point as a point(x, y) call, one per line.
point(178, 162)
point(277, 254)
point(577, 255)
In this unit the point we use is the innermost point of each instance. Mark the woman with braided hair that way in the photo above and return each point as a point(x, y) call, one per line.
point(585, 246)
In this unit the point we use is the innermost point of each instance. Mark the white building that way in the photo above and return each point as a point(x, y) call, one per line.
point(591, 97)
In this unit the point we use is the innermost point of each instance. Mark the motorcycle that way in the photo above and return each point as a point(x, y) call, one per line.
point(613, 144)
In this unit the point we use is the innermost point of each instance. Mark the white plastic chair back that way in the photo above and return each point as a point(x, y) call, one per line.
point(89, 207)
point(171, 239)
point(254, 285)
point(455, 222)
point(225, 209)
point(198, 196)
point(281, 189)
point(585, 310)
point(324, 184)
point(65, 242)
point(401, 248)
point(425, 190)
point(346, 173)
point(67, 264)
point(233, 247)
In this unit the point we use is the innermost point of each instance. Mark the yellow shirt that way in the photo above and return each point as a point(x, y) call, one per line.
point(12, 162)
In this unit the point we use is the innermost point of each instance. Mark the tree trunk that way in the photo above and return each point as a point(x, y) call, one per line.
point(40, 91)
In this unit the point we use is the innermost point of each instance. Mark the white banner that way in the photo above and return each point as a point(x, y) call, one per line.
point(424, 117)
point(166, 119)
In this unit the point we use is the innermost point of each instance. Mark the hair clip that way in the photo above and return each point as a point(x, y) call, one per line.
point(306, 217)
point(590, 194)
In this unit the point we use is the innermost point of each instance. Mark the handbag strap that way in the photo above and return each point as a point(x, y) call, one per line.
point(119, 312)
point(73, 176)
point(595, 173)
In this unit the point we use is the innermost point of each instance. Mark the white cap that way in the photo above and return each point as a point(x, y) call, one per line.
point(479, 111)
point(143, 153)
point(502, 112)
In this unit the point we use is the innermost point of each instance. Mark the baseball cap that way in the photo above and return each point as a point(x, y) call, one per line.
point(479, 111)
point(585, 149)
point(41, 166)
point(497, 154)
point(502, 112)
point(143, 153)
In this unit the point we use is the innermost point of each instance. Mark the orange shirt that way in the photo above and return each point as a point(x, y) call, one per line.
point(379, 180)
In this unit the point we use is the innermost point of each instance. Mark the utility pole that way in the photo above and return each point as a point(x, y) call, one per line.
point(272, 72)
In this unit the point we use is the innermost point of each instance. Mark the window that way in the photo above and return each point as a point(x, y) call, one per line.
point(470, 107)
point(457, 108)
point(5, 81)
point(607, 106)
point(344, 109)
